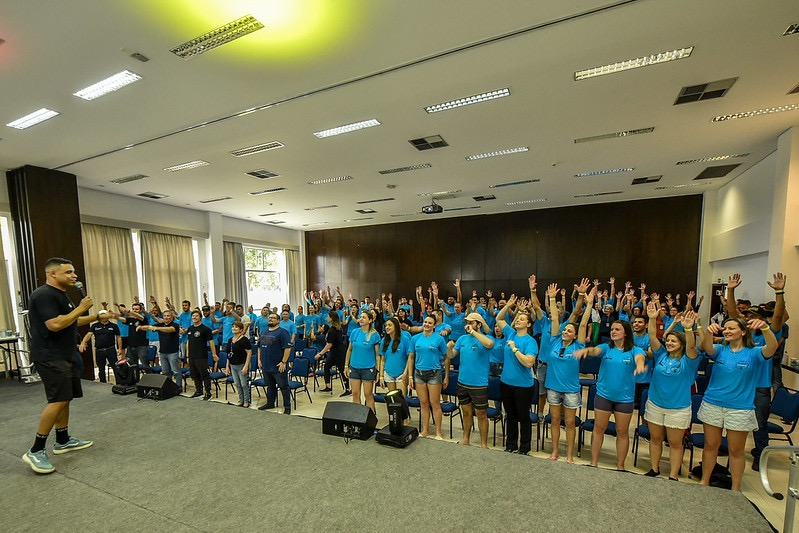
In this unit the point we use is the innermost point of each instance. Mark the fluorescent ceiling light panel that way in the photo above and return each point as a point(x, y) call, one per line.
point(463, 208)
point(793, 29)
point(217, 37)
point(275, 222)
point(374, 201)
point(128, 179)
point(320, 207)
point(258, 148)
point(108, 85)
point(756, 113)
point(187, 166)
point(329, 180)
point(366, 211)
point(469, 100)
point(614, 135)
point(356, 219)
point(512, 183)
point(405, 169)
point(602, 172)
point(273, 214)
point(404, 214)
point(520, 202)
point(153, 195)
point(32, 119)
point(629, 64)
point(314, 224)
point(217, 199)
point(347, 128)
point(439, 193)
point(709, 159)
point(680, 186)
point(597, 194)
point(267, 191)
point(498, 153)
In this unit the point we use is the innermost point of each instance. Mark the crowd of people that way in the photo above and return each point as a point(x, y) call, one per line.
point(649, 346)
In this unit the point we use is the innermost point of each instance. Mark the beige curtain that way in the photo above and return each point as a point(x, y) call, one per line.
point(110, 264)
point(235, 275)
point(168, 267)
point(293, 272)
point(6, 304)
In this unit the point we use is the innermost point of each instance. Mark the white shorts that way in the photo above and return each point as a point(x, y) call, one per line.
point(722, 417)
point(388, 378)
point(670, 418)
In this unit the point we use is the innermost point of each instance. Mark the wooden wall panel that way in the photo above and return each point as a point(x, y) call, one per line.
point(499, 252)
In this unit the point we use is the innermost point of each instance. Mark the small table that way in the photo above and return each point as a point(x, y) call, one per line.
point(10, 346)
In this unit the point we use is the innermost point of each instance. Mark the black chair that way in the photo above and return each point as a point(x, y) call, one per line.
point(642, 431)
point(494, 414)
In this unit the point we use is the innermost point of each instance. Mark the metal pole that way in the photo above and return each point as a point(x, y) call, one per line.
point(793, 481)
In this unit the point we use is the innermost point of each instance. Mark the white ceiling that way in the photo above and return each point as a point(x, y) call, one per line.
point(326, 64)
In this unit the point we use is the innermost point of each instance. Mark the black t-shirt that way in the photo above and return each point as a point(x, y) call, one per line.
point(136, 338)
point(46, 303)
point(198, 340)
point(336, 338)
point(169, 342)
point(237, 351)
point(104, 334)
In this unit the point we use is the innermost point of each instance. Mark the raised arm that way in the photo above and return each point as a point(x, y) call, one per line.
point(582, 333)
point(732, 309)
point(504, 311)
point(652, 328)
point(690, 342)
point(778, 284)
point(552, 296)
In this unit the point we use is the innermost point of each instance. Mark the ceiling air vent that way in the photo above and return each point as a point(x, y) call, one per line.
point(793, 29)
point(263, 174)
point(428, 143)
point(152, 195)
point(128, 179)
point(716, 172)
point(795, 90)
point(484, 197)
point(647, 179)
point(704, 91)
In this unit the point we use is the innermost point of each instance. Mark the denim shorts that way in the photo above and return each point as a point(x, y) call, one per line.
point(569, 400)
point(430, 377)
point(541, 377)
point(363, 374)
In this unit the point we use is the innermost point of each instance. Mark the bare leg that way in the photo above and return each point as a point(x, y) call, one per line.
point(424, 404)
point(571, 433)
point(710, 452)
point(468, 413)
point(54, 414)
point(482, 425)
point(601, 419)
point(355, 386)
point(622, 437)
point(435, 404)
point(555, 411)
point(736, 441)
point(676, 451)
point(369, 395)
point(656, 445)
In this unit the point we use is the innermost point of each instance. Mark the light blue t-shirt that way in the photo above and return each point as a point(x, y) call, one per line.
point(227, 328)
point(429, 351)
point(396, 361)
point(563, 370)
point(734, 378)
point(473, 370)
point(289, 326)
point(616, 380)
point(643, 343)
point(456, 324)
point(299, 323)
point(262, 323)
point(513, 372)
point(184, 319)
point(498, 351)
point(363, 348)
point(672, 379)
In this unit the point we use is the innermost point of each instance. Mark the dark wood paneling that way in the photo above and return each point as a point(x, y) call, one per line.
point(499, 252)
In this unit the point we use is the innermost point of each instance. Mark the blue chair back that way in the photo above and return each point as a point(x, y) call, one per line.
point(300, 345)
point(222, 360)
point(785, 405)
point(151, 353)
point(696, 402)
point(494, 389)
point(642, 405)
point(591, 396)
point(299, 370)
point(309, 353)
point(590, 365)
point(254, 363)
point(452, 386)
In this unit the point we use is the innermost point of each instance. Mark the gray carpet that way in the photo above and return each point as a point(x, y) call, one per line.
point(188, 465)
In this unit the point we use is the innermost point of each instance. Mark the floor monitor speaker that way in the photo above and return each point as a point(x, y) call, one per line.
point(156, 387)
point(347, 419)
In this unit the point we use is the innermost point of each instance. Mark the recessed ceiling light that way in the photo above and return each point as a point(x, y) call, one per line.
point(793, 29)
point(757, 112)
point(320, 207)
point(512, 183)
point(329, 180)
point(520, 202)
point(597, 194)
point(217, 37)
point(405, 169)
point(217, 199)
point(187, 166)
point(347, 128)
point(374, 201)
point(273, 214)
point(153, 195)
point(439, 193)
point(365, 211)
point(33, 118)
point(709, 159)
point(275, 222)
point(108, 85)
point(469, 100)
point(314, 224)
point(664, 187)
point(637, 62)
point(428, 143)
point(614, 135)
point(602, 172)
point(267, 191)
point(258, 148)
point(498, 153)
point(128, 179)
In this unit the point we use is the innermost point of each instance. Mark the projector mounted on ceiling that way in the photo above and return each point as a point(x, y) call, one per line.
point(432, 209)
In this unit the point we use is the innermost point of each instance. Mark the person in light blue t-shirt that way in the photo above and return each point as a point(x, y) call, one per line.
point(428, 374)
point(729, 401)
point(615, 388)
point(394, 357)
point(361, 363)
point(474, 347)
point(668, 409)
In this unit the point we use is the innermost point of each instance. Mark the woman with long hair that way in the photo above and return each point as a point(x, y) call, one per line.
point(334, 351)
point(729, 401)
point(517, 380)
point(615, 388)
point(427, 374)
point(239, 352)
point(394, 357)
point(360, 366)
point(668, 409)
point(564, 392)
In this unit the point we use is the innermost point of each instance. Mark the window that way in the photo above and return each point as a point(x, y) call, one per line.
point(266, 277)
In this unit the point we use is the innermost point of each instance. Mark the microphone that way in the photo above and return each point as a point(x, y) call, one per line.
point(81, 289)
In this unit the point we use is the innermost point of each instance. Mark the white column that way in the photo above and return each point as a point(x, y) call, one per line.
point(214, 262)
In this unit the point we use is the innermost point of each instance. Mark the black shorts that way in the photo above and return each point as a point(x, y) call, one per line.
point(124, 342)
point(477, 396)
point(59, 380)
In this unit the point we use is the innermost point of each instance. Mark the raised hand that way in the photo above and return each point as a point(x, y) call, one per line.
point(612, 280)
point(652, 310)
point(779, 282)
point(688, 320)
point(628, 285)
point(583, 286)
point(734, 281)
point(755, 324)
point(596, 282)
point(619, 295)
point(642, 287)
point(552, 290)
point(489, 294)
point(457, 282)
point(531, 279)
point(563, 292)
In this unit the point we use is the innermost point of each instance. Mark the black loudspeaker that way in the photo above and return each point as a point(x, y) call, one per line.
point(156, 387)
point(124, 390)
point(347, 419)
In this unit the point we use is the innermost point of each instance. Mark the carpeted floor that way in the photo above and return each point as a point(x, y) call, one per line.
point(188, 465)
